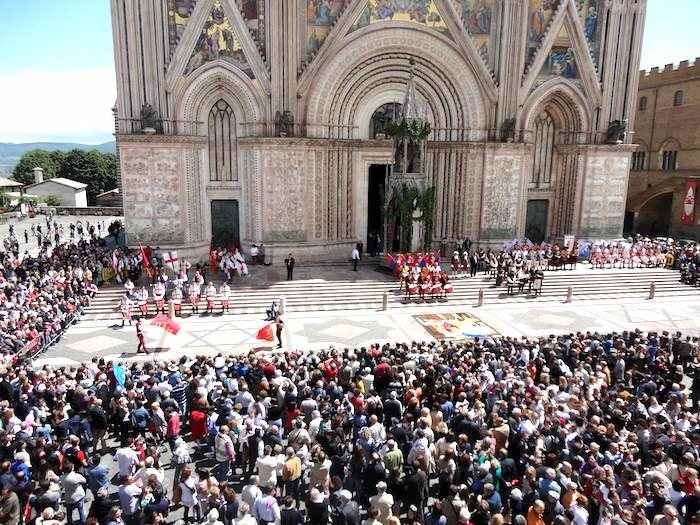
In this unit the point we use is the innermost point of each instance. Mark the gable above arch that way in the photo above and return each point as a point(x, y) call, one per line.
point(216, 31)
point(564, 53)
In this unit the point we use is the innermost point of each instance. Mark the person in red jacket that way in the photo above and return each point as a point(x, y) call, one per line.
point(198, 424)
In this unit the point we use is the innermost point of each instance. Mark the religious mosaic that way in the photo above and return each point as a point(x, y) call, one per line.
point(476, 19)
point(179, 12)
point(423, 12)
point(588, 12)
point(320, 17)
point(253, 12)
point(541, 12)
point(560, 63)
point(218, 41)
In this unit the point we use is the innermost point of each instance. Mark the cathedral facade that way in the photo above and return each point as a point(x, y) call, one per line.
point(248, 121)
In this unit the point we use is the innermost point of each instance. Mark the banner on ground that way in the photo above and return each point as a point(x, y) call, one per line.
point(688, 211)
point(454, 326)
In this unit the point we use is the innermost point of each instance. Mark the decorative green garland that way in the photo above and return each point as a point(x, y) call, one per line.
point(406, 200)
point(412, 129)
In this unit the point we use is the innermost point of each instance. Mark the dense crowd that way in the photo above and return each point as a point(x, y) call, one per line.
point(583, 429)
point(42, 294)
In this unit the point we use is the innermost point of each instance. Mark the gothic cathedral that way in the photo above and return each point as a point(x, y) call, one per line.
point(247, 121)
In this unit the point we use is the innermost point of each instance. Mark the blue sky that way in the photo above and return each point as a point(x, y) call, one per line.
point(57, 67)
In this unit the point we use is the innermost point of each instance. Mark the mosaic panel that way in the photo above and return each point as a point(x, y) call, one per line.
point(321, 15)
point(423, 12)
point(218, 41)
point(179, 12)
point(476, 19)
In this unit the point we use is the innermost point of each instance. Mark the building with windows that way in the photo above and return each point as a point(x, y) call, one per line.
point(667, 163)
point(241, 121)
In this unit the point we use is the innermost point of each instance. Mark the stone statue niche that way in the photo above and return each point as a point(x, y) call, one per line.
point(284, 124)
point(149, 119)
point(616, 132)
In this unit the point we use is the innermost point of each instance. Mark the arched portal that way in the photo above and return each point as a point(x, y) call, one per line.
point(654, 217)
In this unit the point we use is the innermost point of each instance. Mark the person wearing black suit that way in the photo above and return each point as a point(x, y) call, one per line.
point(289, 262)
point(473, 263)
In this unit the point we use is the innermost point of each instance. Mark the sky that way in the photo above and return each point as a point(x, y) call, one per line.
point(57, 80)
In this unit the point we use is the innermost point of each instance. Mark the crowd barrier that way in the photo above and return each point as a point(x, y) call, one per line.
point(35, 347)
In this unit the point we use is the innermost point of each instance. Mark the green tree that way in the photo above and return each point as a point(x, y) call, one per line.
point(97, 170)
point(30, 160)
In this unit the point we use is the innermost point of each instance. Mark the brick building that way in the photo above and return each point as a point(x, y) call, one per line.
point(667, 129)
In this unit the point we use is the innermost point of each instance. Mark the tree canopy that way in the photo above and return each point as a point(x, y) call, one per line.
point(97, 170)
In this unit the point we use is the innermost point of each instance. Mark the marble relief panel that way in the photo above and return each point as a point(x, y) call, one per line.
point(154, 212)
point(605, 193)
point(501, 197)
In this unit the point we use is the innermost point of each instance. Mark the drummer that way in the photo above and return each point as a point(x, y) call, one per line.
point(159, 296)
point(125, 308)
point(176, 298)
point(193, 291)
point(225, 292)
point(142, 300)
point(210, 294)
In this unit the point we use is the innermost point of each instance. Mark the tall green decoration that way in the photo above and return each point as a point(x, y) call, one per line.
point(412, 202)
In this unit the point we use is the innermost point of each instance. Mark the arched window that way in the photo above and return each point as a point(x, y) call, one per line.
point(639, 160)
point(544, 150)
point(222, 143)
point(668, 160)
point(642, 103)
point(678, 98)
point(382, 116)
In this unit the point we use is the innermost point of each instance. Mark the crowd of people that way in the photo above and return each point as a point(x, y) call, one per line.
point(521, 263)
point(41, 294)
point(578, 429)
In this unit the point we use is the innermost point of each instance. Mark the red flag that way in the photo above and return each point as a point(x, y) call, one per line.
point(265, 333)
point(166, 324)
point(213, 260)
point(688, 211)
point(146, 261)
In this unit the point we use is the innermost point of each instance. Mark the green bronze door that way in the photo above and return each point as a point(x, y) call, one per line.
point(536, 220)
point(224, 223)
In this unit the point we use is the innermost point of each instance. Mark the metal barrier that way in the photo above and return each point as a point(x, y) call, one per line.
point(35, 347)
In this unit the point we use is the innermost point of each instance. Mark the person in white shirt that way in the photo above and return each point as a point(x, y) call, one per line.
point(250, 492)
point(267, 468)
point(355, 256)
point(129, 494)
point(127, 459)
point(382, 502)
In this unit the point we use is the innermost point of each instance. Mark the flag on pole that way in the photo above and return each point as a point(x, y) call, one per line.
point(265, 333)
point(170, 260)
point(213, 260)
point(146, 261)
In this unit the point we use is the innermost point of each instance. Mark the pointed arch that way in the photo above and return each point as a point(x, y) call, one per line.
point(566, 18)
point(378, 60)
point(569, 107)
point(342, 37)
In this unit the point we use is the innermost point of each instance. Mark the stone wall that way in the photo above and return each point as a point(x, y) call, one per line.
point(154, 196)
point(604, 191)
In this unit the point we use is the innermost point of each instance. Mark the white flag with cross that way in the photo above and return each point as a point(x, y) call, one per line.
point(171, 261)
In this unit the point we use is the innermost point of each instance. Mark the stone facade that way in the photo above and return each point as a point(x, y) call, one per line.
point(220, 75)
point(667, 121)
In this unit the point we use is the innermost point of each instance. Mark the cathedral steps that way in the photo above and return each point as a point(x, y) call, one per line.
point(329, 295)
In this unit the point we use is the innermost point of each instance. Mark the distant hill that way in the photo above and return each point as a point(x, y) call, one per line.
point(11, 153)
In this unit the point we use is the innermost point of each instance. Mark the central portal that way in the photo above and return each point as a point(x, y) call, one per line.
point(224, 224)
point(375, 208)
